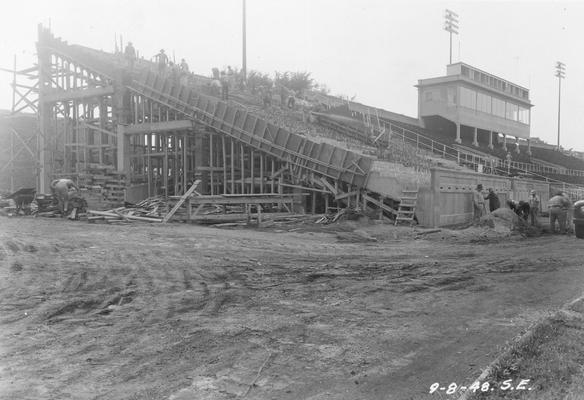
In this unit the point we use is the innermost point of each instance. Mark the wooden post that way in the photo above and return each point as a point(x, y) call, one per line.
point(149, 163)
point(272, 180)
point(326, 203)
point(251, 157)
point(211, 163)
point(224, 165)
point(12, 157)
point(262, 157)
point(188, 209)
point(164, 165)
point(242, 170)
point(381, 209)
point(175, 168)
point(232, 167)
point(185, 164)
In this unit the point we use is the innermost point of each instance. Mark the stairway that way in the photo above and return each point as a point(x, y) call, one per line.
point(407, 207)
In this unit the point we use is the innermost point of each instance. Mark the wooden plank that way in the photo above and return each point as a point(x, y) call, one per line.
point(211, 163)
point(224, 154)
point(379, 204)
point(181, 201)
point(329, 186)
point(198, 209)
point(112, 214)
point(345, 195)
point(232, 167)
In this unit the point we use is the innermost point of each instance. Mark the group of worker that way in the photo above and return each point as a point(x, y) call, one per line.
point(161, 59)
point(558, 206)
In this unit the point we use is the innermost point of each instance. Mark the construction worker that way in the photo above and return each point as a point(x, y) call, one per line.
point(493, 199)
point(130, 54)
point(558, 209)
point(285, 95)
point(267, 97)
point(534, 207)
point(162, 60)
point(224, 86)
point(478, 202)
point(62, 190)
point(508, 159)
point(184, 67)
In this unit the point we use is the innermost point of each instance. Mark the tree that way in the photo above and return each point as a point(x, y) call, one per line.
point(296, 81)
point(255, 79)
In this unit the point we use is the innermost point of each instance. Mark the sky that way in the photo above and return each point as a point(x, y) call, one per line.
point(375, 50)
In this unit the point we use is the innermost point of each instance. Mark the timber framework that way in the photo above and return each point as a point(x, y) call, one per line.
point(146, 133)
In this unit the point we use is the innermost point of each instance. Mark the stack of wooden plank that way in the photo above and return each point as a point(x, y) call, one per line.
point(152, 209)
point(340, 215)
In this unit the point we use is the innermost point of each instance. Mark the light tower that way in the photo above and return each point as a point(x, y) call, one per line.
point(451, 26)
point(244, 46)
point(561, 74)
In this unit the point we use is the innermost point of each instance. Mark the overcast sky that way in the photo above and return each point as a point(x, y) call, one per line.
point(373, 49)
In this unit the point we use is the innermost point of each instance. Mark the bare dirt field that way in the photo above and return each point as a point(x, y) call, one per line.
point(189, 312)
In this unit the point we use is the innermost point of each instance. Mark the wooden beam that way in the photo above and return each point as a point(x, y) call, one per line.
point(278, 173)
point(341, 196)
point(68, 95)
point(113, 214)
point(242, 170)
point(262, 157)
point(330, 187)
point(305, 188)
point(32, 153)
point(101, 130)
point(224, 154)
point(379, 204)
point(232, 161)
point(271, 178)
point(211, 180)
point(201, 205)
point(180, 202)
point(158, 127)
point(251, 156)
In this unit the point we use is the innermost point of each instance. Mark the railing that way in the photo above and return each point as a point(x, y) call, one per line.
point(493, 165)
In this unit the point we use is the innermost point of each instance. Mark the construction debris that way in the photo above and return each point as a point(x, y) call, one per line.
point(152, 209)
point(340, 215)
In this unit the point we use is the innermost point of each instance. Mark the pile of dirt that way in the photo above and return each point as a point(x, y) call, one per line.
point(505, 220)
point(502, 220)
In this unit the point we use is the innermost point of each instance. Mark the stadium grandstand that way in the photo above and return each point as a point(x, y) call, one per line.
point(141, 130)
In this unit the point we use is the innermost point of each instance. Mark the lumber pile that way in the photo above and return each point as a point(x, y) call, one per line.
point(152, 209)
point(340, 215)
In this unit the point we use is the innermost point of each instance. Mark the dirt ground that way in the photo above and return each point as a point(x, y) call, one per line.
point(188, 312)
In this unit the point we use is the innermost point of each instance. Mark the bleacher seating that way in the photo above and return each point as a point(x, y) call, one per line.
point(555, 157)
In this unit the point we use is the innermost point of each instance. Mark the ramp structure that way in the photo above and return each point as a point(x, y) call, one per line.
point(99, 115)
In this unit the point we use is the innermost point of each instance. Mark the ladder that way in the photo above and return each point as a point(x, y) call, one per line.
point(407, 207)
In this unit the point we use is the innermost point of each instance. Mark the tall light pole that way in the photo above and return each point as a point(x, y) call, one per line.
point(451, 25)
point(561, 74)
point(244, 55)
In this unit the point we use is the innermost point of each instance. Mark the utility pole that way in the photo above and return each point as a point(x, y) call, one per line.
point(451, 26)
point(244, 61)
point(561, 74)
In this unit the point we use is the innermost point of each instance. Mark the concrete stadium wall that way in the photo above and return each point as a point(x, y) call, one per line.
point(448, 198)
point(389, 179)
